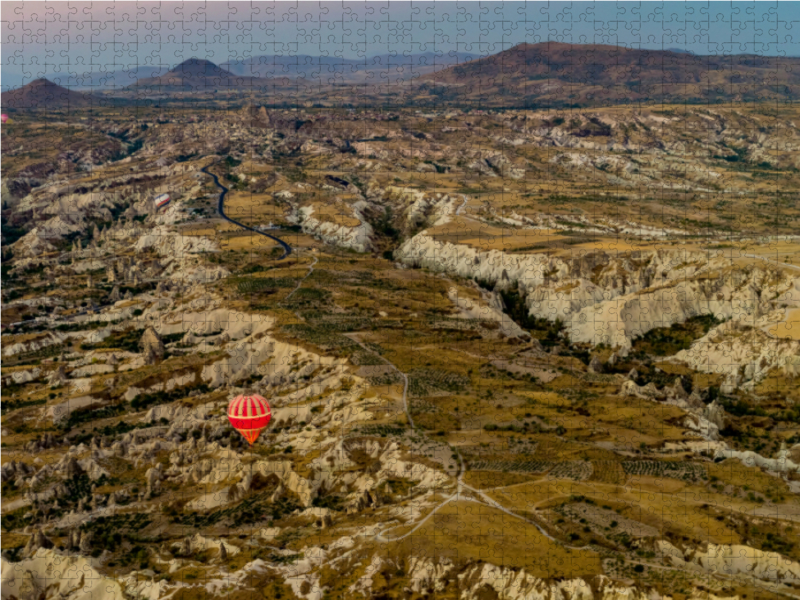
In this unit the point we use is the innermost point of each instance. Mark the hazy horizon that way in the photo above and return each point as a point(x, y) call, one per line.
point(52, 39)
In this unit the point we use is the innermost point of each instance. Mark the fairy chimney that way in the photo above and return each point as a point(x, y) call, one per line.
point(151, 344)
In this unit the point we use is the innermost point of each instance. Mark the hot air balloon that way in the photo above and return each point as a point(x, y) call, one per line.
point(161, 201)
point(249, 415)
point(4, 117)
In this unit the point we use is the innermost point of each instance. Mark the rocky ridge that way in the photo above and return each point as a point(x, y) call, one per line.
point(612, 299)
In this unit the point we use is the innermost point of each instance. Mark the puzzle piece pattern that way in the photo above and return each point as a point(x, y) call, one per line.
point(485, 255)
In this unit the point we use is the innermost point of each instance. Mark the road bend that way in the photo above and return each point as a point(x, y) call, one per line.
point(287, 249)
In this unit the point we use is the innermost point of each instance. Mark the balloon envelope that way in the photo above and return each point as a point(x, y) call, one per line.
point(249, 415)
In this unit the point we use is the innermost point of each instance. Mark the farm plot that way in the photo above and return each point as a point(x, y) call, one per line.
point(255, 285)
point(380, 430)
point(605, 518)
point(341, 324)
point(362, 358)
point(677, 470)
point(494, 479)
point(326, 333)
point(326, 338)
point(578, 470)
point(436, 321)
point(608, 471)
point(390, 378)
point(520, 466)
point(423, 382)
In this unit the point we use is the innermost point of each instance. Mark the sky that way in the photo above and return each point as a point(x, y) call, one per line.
point(43, 38)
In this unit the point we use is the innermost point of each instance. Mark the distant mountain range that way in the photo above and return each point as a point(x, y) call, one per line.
point(323, 70)
point(319, 69)
point(549, 74)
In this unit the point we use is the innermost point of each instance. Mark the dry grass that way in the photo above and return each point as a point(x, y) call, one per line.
point(338, 213)
point(789, 327)
point(247, 240)
point(735, 473)
point(780, 251)
point(199, 229)
point(667, 505)
point(493, 479)
point(13, 540)
point(622, 420)
point(465, 531)
point(467, 231)
point(248, 207)
point(779, 383)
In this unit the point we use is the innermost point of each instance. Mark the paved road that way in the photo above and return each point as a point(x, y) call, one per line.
point(287, 249)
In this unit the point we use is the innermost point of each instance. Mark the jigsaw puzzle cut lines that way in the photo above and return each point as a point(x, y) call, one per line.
point(464, 300)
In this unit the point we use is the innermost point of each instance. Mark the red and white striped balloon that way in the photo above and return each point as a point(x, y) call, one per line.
point(249, 415)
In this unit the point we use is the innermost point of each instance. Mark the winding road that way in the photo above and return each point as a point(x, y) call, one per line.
point(287, 249)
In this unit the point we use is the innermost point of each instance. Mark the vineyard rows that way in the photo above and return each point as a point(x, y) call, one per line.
point(362, 358)
point(391, 378)
point(526, 466)
point(422, 382)
point(676, 470)
point(262, 284)
point(326, 332)
point(379, 430)
point(579, 470)
point(326, 338)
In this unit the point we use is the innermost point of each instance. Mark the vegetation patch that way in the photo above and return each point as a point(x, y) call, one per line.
point(422, 382)
point(686, 471)
point(666, 341)
point(144, 401)
point(127, 340)
point(250, 510)
point(519, 466)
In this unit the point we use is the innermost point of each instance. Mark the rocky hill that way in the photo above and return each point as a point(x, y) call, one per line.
point(578, 75)
point(199, 75)
point(44, 94)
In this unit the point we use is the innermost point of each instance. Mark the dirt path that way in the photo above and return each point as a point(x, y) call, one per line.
point(459, 495)
point(775, 262)
point(353, 337)
point(299, 283)
point(460, 209)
